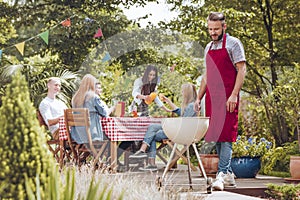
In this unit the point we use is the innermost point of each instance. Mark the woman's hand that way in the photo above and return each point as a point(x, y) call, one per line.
point(164, 98)
point(147, 98)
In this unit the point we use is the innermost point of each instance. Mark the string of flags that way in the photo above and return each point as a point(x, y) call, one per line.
point(45, 37)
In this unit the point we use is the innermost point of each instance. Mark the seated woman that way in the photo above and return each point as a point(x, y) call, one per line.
point(155, 132)
point(86, 97)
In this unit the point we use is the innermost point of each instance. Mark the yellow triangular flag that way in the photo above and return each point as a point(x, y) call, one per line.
point(20, 47)
point(45, 36)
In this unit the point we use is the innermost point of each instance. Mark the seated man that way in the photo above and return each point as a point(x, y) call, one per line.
point(155, 132)
point(52, 108)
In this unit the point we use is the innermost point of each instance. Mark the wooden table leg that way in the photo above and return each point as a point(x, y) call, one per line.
point(61, 153)
point(113, 155)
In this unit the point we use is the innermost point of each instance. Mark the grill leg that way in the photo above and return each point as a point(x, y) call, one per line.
point(189, 167)
point(169, 161)
point(199, 160)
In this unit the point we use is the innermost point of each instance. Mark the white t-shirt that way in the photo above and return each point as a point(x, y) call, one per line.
point(51, 109)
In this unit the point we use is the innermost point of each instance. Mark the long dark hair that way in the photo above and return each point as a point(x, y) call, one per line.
point(148, 86)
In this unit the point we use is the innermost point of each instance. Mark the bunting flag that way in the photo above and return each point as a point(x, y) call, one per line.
point(45, 36)
point(106, 57)
point(66, 23)
point(20, 47)
point(99, 33)
point(88, 20)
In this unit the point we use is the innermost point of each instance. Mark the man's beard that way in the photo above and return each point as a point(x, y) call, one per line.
point(221, 36)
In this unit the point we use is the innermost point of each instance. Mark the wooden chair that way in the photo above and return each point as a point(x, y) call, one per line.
point(53, 144)
point(81, 117)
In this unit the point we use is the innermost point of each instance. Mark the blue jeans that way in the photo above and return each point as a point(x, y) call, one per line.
point(224, 150)
point(154, 134)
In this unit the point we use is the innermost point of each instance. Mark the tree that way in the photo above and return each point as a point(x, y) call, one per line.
point(23, 149)
point(268, 30)
point(68, 47)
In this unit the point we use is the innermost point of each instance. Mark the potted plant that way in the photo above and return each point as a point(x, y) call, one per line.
point(246, 155)
point(209, 156)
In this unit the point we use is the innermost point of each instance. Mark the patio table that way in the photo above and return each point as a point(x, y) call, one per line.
point(118, 129)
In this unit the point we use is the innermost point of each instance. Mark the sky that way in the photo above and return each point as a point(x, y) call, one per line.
point(160, 12)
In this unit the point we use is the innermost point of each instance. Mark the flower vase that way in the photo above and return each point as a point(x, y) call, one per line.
point(245, 166)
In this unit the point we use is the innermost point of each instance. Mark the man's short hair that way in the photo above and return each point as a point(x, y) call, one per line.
point(53, 79)
point(216, 16)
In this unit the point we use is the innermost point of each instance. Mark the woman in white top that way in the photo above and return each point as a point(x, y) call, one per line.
point(142, 89)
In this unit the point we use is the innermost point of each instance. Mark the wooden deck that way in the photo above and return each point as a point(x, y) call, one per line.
point(177, 180)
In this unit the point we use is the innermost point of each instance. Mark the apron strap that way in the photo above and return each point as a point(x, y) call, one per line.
point(224, 41)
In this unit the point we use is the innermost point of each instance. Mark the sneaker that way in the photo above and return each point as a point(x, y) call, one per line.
point(218, 184)
point(229, 179)
point(148, 168)
point(138, 155)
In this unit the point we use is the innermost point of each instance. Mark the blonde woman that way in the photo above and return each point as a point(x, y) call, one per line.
point(86, 97)
point(155, 132)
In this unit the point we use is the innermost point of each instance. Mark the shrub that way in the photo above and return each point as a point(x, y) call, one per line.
point(23, 149)
point(284, 192)
point(278, 159)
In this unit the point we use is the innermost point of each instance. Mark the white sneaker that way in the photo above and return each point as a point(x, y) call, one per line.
point(229, 179)
point(218, 184)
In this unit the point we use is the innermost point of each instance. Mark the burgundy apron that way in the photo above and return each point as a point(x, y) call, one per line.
point(221, 76)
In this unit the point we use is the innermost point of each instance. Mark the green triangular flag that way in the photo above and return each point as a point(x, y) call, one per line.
point(45, 36)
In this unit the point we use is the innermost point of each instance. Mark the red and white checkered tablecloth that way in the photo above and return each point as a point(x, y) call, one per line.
point(62, 129)
point(127, 128)
point(119, 128)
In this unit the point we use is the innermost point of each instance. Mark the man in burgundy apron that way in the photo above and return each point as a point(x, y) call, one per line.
point(225, 73)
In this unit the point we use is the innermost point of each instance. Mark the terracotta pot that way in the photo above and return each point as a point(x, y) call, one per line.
point(210, 163)
point(295, 167)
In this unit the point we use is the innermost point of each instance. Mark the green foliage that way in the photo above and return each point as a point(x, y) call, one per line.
point(59, 191)
point(279, 174)
point(284, 192)
point(37, 71)
point(23, 149)
point(250, 146)
point(207, 147)
point(279, 158)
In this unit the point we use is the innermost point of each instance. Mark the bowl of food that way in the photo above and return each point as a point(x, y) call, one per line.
point(185, 130)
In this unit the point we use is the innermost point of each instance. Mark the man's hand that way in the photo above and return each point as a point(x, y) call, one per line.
point(231, 103)
point(197, 105)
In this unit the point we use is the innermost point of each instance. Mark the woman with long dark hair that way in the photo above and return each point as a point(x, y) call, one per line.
point(142, 89)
